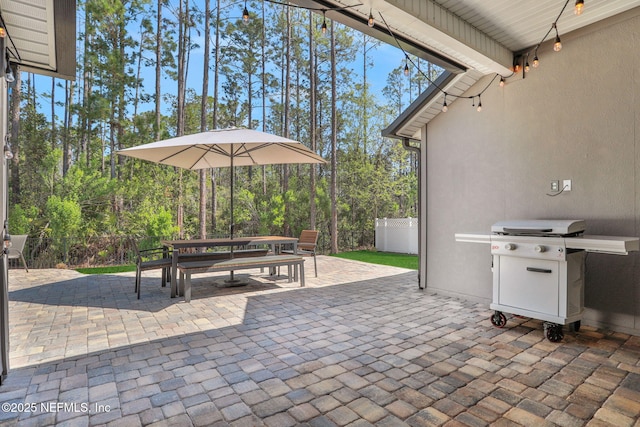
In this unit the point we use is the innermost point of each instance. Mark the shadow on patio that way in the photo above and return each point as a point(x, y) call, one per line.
point(113, 293)
point(360, 345)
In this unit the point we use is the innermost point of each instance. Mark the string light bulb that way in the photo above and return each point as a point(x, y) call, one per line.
point(579, 7)
point(324, 23)
point(536, 61)
point(406, 69)
point(8, 73)
point(8, 154)
point(6, 239)
point(479, 104)
point(557, 46)
point(501, 81)
point(3, 32)
point(245, 14)
point(370, 22)
point(9, 77)
point(526, 67)
point(444, 104)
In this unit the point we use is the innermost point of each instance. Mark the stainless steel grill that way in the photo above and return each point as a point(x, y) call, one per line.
point(538, 269)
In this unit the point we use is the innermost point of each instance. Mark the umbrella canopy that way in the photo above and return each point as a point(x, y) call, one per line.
point(224, 148)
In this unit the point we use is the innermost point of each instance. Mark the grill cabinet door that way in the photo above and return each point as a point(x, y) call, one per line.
point(529, 284)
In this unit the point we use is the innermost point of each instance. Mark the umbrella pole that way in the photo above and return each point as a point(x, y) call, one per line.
point(232, 281)
point(231, 196)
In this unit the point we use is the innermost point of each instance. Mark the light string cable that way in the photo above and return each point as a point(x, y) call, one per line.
point(553, 26)
point(324, 10)
point(557, 45)
point(445, 93)
point(14, 52)
point(317, 9)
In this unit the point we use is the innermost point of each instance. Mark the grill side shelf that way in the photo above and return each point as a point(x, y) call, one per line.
point(617, 245)
point(473, 237)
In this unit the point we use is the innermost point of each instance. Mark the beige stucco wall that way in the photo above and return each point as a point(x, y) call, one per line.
point(575, 117)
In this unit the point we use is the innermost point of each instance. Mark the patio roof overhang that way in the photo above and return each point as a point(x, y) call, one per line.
point(41, 36)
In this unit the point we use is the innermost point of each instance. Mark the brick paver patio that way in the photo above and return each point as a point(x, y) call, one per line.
point(360, 345)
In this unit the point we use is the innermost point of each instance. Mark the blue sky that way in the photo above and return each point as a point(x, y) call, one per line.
point(384, 57)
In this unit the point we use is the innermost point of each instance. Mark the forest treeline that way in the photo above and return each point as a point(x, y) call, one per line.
point(279, 73)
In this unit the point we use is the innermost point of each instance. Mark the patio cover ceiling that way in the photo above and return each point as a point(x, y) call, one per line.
point(41, 35)
point(468, 38)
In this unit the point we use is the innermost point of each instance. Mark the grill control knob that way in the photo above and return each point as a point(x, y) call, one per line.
point(540, 249)
point(510, 246)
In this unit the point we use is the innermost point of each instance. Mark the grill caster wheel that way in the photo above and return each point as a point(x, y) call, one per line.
point(498, 319)
point(553, 332)
point(575, 326)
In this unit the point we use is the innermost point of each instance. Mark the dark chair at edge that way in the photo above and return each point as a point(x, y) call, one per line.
point(151, 259)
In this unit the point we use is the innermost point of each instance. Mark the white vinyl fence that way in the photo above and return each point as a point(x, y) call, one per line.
point(398, 235)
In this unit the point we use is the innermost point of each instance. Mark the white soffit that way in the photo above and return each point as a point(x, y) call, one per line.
point(519, 25)
point(443, 31)
point(484, 34)
point(424, 112)
point(31, 27)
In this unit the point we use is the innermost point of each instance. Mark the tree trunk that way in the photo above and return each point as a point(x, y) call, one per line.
point(16, 95)
point(138, 82)
point(216, 78)
point(297, 120)
point(264, 92)
point(312, 124)
point(53, 113)
point(156, 127)
point(182, 47)
point(112, 142)
point(182, 50)
point(66, 154)
point(202, 211)
point(121, 98)
point(365, 115)
point(334, 143)
point(249, 105)
point(287, 102)
point(85, 127)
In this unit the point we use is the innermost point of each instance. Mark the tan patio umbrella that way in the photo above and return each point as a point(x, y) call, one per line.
point(224, 148)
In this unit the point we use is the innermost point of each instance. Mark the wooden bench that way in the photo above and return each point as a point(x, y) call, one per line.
point(187, 268)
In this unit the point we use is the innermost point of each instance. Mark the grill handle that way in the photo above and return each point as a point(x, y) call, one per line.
point(525, 231)
point(539, 270)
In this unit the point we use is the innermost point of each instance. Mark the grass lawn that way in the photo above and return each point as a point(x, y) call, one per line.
point(373, 257)
point(384, 258)
point(107, 270)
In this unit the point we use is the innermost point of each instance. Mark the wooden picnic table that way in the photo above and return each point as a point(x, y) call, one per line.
point(176, 245)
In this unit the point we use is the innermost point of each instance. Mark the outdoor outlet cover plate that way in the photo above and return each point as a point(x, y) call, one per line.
point(566, 185)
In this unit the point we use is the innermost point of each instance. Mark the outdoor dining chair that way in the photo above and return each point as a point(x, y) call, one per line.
point(17, 247)
point(151, 259)
point(307, 246)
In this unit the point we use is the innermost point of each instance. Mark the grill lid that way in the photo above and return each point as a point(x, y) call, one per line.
point(540, 227)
